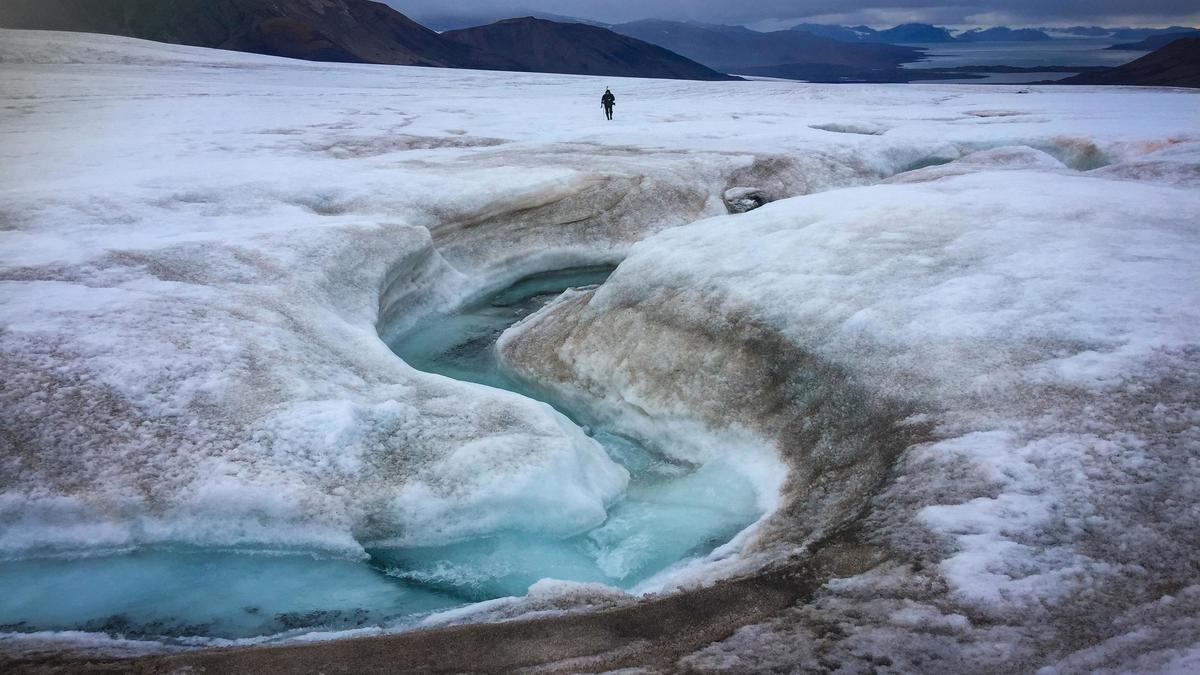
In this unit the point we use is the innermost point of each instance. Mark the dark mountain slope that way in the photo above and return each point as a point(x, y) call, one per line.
point(911, 33)
point(1176, 65)
point(1156, 41)
point(357, 31)
point(456, 18)
point(550, 47)
point(730, 48)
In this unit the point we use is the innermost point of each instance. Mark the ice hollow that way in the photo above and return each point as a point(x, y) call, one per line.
point(668, 512)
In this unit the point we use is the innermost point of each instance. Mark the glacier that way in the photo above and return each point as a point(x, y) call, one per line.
point(955, 353)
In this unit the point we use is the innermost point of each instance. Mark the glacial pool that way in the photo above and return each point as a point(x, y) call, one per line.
point(670, 513)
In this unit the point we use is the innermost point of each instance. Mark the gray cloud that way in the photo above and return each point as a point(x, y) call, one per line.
point(950, 12)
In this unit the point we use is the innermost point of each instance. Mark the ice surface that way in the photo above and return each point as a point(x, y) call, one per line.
point(199, 253)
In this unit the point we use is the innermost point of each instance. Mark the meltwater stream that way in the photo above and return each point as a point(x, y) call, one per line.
point(670, 512)
point(194, 595)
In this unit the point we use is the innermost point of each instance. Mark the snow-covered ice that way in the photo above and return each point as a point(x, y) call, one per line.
point(966, 323)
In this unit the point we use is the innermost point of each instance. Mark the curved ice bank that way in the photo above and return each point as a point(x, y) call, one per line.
point(672, 513)
point(713, 389)
point(989, 379)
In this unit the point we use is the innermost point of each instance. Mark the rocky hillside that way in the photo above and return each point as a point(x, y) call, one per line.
point(1176, 65)
point(355, 31)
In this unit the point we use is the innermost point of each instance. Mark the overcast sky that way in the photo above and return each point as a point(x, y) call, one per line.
point(872, 12)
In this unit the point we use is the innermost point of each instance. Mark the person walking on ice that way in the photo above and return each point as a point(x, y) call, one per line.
point(607, 101)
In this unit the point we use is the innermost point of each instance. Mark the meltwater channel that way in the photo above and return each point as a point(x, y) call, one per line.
point(670, 513)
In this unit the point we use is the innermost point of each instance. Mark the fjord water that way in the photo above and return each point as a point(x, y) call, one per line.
point(192, 595)
point(1058, 52)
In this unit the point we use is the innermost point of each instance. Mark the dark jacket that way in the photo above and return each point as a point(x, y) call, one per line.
point(608, 100)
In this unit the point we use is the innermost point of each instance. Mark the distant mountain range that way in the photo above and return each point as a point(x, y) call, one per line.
point(1132, 34)
point(734, 49)
point(549, 47)
point(1080, 31)
point(452, 17)
point(1175, 65)
point(1003, 34)
point(1124, 33)
point(908, 33)
point(357, 31)
point(839, 33)
point(921, 33)
point(911, 33)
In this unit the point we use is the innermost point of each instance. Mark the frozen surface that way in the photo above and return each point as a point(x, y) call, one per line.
point(199, 253)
